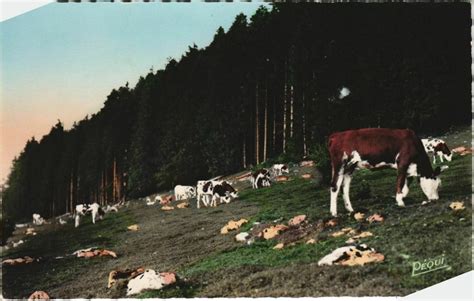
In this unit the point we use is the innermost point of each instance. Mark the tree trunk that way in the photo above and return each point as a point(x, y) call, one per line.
point(71, 193)
point(257, 128)
point(292, 100)
point(114, 180)
point(284, 111)
point(274, 127)
point(305, 149)
point(265, 126)
point(244, 156)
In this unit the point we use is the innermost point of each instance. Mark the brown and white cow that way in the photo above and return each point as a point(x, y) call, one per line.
point(376, 148)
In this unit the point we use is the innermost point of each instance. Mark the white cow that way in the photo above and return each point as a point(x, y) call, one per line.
point(279, 169)
point(82, 209)
point(184, 192)
point(37, 219)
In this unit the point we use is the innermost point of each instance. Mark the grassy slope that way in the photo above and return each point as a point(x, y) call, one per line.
point(408, 234)
point(228, 268)
point(63, 240)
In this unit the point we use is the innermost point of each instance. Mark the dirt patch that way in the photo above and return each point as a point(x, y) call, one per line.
point(166, 241)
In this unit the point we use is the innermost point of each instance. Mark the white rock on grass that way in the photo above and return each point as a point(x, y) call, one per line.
point(148, 280)
point(242, 237)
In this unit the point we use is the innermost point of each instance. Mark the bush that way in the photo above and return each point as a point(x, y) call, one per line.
point(320, 155)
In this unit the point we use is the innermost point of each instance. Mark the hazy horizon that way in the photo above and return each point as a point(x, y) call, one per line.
point(61, 61)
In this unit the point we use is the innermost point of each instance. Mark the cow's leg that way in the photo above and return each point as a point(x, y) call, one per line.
point(198, 201)
point(402, 187)
point(335, 185)
point(345, 192)
point(440, 154)
point(405, 189)
point(93, 216)
point(77, 220)
point(434, 158)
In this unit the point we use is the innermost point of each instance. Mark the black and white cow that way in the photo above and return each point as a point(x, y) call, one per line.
point(437, 147)
point(210, 192)
point(83, 209)
point(260, 178)
point(224, 193)
point(377, 148)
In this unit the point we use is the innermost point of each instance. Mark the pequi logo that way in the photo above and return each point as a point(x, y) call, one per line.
point(429, 265)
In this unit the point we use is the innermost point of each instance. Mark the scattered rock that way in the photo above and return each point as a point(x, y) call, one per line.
point(456, 206)
point(282, 178)
point(165, 199)
point(17, 261)
point(183, 205)
point(121, 274)
point(351, 256)
point(359, 216)
point(308, 163)
point(311, 241)
point(167, 208)
point(293, 234)
point(375, 218)
point(359, 236)
point(92, 252)
point(306, 176)
point(148, 280)
point(295, 221)
point(133, 227)
point(331, 223)
point(16, 244)
point(233, 225)
point(273, 231)
point(278, 246)
point(344, 231)
point(242, 237)
point(38, 295)
point(462, 150)
point(30, 231)
point(168, 278)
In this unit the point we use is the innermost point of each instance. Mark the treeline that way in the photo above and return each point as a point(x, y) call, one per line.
point(272, 86)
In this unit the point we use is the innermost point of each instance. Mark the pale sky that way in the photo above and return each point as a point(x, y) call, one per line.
point(61, 61)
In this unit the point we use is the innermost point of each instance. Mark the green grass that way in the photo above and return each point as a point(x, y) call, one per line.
point(407, 234)
point(65, 240)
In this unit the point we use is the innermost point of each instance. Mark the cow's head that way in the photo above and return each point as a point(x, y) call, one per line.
point(285, 169)
point(443, 148)
point(430, 185)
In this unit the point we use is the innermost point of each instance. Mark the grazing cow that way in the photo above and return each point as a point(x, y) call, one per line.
point(37, 219)
point(376, 148)
point(184, 192)
point(224, 193)
point(260, 178)
point(203, 193)
point(279, 169)
point(82, 209)
point(437, 147)
point(209, 192)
